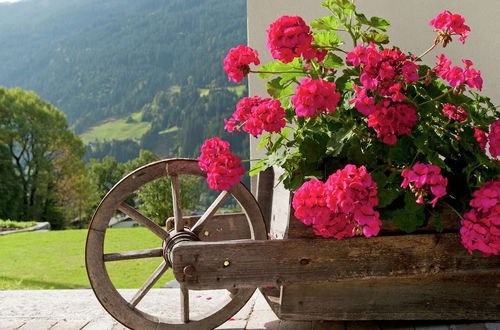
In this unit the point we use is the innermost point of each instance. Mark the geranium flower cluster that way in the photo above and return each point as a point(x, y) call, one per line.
point(447, 25)
point(481, 225)
point(457, 76)
point(424, 179)
point(290, 37)
point(494, 139)
point(481, 138)
point(390, 120)
point(341, 207)
point(237, 62)
point(383, 72)
point(454, 112)
point(255, 115)
point(223, 168)
point(314, 96)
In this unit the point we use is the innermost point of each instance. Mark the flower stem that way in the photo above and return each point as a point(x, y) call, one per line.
point(427, 51)
point(453, 209)
point(277, 72)
point(437, 97)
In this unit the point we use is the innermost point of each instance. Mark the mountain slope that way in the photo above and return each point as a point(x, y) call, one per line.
point(98, 59)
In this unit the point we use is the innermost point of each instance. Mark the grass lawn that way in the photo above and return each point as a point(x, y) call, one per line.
point(117, 129)
point(56, 259)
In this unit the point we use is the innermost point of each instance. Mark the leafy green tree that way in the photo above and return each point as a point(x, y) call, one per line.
point(37, 143)
point(155, 199)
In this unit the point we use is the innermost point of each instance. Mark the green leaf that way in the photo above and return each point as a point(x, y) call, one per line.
point(387, 196)
point(326, 39)
point(264, 140)
point(340, 6)
point(403, 151)
point(411, 216)
point(325, 23)
point(362, 19)
point(378, 38)
point(332, 61)
point(338, 139)
point(286, 131)
point(379, 23)
point(277, 90)
point(278, 66)
point(257, 167)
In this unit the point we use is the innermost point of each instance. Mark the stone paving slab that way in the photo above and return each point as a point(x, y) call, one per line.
point(80, 310)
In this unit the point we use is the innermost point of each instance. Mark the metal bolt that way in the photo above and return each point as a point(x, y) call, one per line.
point(189, 270)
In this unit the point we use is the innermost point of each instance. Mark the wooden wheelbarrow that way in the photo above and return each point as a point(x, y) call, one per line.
point(411, 277)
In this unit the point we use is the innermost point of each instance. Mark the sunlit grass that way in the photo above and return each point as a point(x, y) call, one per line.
point(117, 129)
point(56, 259)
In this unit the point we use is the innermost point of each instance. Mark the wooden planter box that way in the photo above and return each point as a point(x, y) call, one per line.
point(424, 276)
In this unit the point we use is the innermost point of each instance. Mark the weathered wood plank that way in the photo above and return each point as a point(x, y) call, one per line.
point(264, 195)
point(137, 254)
point(210, 211)
point(459, 296)
point(219, 227)
point(278, 262)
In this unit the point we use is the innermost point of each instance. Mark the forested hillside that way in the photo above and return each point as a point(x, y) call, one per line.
point(98, 59)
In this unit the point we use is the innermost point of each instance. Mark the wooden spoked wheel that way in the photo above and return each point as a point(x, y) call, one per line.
point(127, 311)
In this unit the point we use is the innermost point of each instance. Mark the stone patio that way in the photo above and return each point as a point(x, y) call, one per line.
point(79, 309)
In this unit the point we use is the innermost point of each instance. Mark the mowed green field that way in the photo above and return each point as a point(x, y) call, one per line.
point(56, 259)
point(117, 129)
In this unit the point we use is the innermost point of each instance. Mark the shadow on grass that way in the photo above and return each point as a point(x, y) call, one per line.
point(14, 283)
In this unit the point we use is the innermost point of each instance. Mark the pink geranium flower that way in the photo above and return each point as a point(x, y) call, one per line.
point(309, 203)
point(315, 96)
point(255, 115)
point(456, 76)
point(290, 37)
point(237, 62)
point(341, 207)
point(454, 112)
point(481, 138)
point(481, 225)
point(390, 120)
point(424, 179)
point(447, 25)
point(223, 169)
point(494, 139)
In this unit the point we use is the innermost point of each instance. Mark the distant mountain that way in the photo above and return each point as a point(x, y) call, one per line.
point(96, 59)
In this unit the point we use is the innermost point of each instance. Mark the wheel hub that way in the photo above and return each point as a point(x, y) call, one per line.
point(174, 239)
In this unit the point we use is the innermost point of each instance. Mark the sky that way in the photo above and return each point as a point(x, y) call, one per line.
point(10, 0)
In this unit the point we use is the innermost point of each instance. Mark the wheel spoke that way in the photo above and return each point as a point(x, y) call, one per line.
point(176, 201)
point(137, 254)
point(210, 211)
point(149, 283)
point(184, 304)
point(143, 220)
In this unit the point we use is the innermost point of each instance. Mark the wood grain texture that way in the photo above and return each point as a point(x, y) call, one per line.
point(281, 262)
point(219, 227)
point(137, 254)
point(459, 296)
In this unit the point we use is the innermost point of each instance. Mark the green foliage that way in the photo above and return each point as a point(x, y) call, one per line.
point(55, 259)
point(97, 60)
point(409, 217)
point(41, 157)
point(16, 224)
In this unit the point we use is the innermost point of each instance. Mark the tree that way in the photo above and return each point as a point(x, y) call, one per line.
point(154, 199)
point(41, 151)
